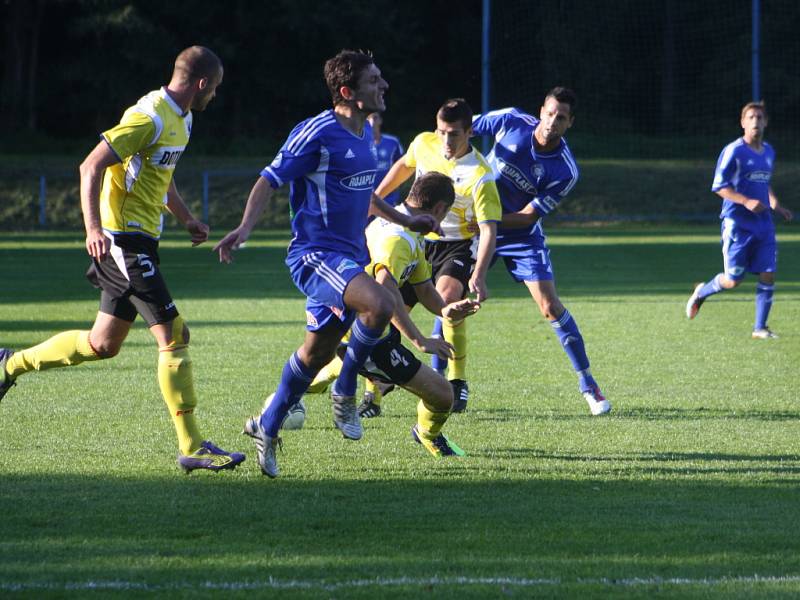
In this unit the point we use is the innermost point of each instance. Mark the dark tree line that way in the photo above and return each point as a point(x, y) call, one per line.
point(652, 67)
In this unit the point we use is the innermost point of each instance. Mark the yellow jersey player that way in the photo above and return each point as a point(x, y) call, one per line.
point(126, 184)
point(460, 258)
point(398, 258)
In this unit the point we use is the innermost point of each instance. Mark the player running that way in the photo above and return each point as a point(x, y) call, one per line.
point(135, 162)
point(460, 259)
point(329, 161)
point(741, 179)
point(535, 170)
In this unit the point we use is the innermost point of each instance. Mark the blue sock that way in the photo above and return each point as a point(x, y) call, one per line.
point(712, 287)
point(438, 364)
point(571, 340)
point(764, 292)
point(295, 379)
point(362, 341)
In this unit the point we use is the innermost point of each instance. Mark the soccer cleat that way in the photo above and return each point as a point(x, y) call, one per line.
point(439, 447)
point(596, 401)
point(460, 395)
point(345, 416)
point(758, 334)
point(694, 303)
point(7, 383)
point(208, 456)
point(368, 409)
point(265, 446)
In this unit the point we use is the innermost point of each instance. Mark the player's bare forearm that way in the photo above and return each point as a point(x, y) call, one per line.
point(400, 317)
point(91, 171)
point(394, 178)
point(486, 247)
point(778, 208)
point(526, 217)
point(256, 202)
point(751, 204)
point(175, 204)
point(429, 297)
point(423, 223)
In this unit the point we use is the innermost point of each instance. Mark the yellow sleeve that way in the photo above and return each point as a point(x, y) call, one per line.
point(394, 254)
point(411, 153)
point(487, 200)
point(422, 272)
point(133, 133)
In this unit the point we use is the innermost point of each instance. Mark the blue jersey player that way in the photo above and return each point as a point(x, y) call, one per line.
point(742, 177)
point(534, 171)
point(329, 163)
point(388, 150)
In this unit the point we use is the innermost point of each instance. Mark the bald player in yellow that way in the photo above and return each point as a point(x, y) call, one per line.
point(126, 185)
point(460, 258)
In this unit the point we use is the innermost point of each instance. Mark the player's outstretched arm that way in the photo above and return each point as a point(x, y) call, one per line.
point(175, 204)
point(402, 320)
point(486, 246)
point(256, 202)
point(399, 173)
point(91, 170)
point(423, 223)
point(429, 298)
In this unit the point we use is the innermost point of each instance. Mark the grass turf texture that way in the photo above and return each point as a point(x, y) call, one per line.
point(689, 488)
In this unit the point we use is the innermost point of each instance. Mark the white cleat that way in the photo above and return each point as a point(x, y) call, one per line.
point(345, 417)
point(764, 334)
point(694, 303)
point(265, 446)
point(597, 402)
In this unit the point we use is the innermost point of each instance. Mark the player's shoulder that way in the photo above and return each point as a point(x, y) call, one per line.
point(568, 157)
point(392, 139)
point(312, 129)
point(426, 138)
point(512, 114)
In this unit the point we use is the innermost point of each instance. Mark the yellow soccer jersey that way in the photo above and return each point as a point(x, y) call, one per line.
point(148, 140)
point(476, 193)
point(398, 250)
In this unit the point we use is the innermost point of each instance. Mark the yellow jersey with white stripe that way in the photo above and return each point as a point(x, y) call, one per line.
point(398, 250)
point(476, 200)
point(149, 140)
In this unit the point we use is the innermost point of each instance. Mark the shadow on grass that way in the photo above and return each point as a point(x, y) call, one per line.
point(239, 528)
point(591, 270)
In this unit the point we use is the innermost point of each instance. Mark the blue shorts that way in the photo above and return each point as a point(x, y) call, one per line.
point(525, 261)
point(746, 251)
point(323, 277)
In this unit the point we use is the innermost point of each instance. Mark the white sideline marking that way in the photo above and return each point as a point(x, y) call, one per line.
point(387, 582)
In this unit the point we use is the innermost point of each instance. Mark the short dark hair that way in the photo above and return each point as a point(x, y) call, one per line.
point(197, 62)
point(565, 95)
point(760, 105)
point(344, 69)
point(456, 110)
point(431, 188)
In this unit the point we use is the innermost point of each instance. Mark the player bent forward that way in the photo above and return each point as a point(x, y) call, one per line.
point(398, 257)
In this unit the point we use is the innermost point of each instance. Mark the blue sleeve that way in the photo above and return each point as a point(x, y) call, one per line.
point(490, 123)
point(296, 158)
point(727, 165)
point(398, 152)
point(548, 199)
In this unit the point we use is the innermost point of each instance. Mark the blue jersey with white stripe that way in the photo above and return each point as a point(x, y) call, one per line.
point(388, 151)
point(748, 172)
point(524, 176)
point(331, 172)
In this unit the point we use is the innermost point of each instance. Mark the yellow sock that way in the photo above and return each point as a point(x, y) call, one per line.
point(429, 423)
point(62, 350)
point(456, 334)
point(177, 387)
point(325, 377)
point(370, 387)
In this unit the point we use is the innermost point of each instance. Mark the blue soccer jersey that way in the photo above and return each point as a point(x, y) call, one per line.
point(388, 151)
point(331, 172)
point(524, 176)
point(747, 172)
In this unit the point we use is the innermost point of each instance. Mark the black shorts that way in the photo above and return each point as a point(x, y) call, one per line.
point(389, 361)
point(456, 259)
point(131, 282)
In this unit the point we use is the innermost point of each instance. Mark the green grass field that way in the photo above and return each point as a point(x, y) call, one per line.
point(691, 488)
